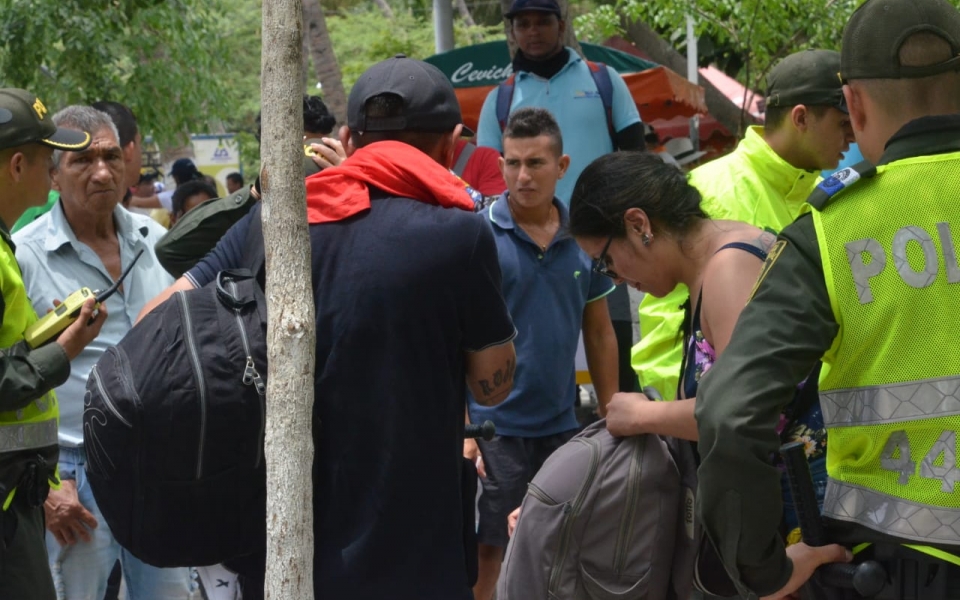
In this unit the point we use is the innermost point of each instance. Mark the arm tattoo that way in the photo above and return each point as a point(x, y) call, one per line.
point(502, 377)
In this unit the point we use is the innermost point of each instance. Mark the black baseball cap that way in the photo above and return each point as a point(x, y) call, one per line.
point(876, 31)
point(430, 103)
point(808, 77)
point(519, 6)
point(24, 120)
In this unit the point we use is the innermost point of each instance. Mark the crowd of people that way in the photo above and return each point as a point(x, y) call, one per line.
point(454, 279)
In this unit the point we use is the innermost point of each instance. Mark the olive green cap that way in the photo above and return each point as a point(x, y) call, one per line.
point(876, 31)
point(25, 120)
point(809, 77)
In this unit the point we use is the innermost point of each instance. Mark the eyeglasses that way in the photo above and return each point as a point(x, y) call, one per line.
point(601, 265)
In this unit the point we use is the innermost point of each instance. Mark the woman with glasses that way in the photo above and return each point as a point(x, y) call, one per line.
point(642, 223)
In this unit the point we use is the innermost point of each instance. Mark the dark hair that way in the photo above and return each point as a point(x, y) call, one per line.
point(122, 117)
point(236, 178)
point(385, 106)
point(316, 116)
point(774, 116)
point(531, 122)
point(188, 189)
point(617, 182)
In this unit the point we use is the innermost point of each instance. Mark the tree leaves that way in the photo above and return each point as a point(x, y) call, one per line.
point(159, 57)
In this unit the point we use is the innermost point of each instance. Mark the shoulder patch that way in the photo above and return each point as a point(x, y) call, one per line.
point(838, 182)
point(772, 257)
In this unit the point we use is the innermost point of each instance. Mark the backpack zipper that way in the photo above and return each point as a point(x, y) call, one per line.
point(250, 374)
point(629, 513)
point(571, 513)
point(540, 495)
point(198, 372)
point(106, 397)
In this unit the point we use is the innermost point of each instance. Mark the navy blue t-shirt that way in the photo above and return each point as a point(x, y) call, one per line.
point(402, 291)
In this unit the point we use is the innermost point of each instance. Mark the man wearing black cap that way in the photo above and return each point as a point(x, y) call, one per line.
point(407, 290)
point(28, 405)
point(869, 282)
point(764, 182)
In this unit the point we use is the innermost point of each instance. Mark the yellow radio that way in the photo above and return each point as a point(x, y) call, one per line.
point(50, 325)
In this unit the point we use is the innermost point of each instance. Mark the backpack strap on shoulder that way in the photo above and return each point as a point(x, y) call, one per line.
point(505, 99)
point(464, 158)
point(839, 181)
point(254, 255)
point(601, 77)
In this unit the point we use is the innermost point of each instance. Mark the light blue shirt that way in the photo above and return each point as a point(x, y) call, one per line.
point(572, 97)
point(546, 292)
point(55, 264)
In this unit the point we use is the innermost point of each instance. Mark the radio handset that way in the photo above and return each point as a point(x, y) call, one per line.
point(54, 322)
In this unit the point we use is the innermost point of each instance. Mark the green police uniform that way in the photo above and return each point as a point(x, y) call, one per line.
point(794, 321)
point(28, 405)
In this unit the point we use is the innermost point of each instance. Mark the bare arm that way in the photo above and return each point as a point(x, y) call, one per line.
point(490, 373)
point(634, 414)
point(727, 283)
point(181, 284)
point(145, 201)
point(600, 346)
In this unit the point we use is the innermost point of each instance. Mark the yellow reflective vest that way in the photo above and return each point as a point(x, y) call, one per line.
point(33, 427)
point(890, 384)
point(751, 184)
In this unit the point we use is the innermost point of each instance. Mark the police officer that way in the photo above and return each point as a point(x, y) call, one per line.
point(870, 282)
point(28, 406)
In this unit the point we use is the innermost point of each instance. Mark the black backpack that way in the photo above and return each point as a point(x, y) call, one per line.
point(174, 419)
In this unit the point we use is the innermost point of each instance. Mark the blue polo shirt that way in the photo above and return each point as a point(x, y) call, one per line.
point(546, 292)
point(572, 97)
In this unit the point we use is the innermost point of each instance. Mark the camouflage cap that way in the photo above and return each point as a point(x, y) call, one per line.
point(876, 31)
point(24, 120)
point(808, 77)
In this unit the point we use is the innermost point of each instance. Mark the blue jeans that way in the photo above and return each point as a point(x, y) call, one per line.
point(80, 570)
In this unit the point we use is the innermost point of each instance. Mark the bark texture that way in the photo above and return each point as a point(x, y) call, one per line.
point(291, 330)
point(325, 63)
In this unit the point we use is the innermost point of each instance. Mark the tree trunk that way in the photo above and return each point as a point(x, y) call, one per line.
point(324, 60)
point(569, 38)
point(721, 108)
point(465, 13)
point(291, 329)
point(385, 8)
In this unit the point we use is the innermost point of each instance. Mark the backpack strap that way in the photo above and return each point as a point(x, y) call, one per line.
point(601, 77)
point(464, 157)
point(505, 99)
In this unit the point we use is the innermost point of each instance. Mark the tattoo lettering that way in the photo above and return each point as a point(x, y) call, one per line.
point(500, 378)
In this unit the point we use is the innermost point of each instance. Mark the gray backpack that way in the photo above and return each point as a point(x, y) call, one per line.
point(606, 518)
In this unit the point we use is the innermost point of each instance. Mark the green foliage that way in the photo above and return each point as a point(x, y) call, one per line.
point(159, 57)
point(745, 37)
point(363, 37)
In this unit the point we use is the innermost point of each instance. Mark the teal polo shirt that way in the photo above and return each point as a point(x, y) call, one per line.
point(572, 98)
point(546, 292)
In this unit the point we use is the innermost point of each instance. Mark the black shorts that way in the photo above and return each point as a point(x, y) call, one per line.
point(510, 462)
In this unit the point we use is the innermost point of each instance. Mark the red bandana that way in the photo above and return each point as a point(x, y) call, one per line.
point(337, 193)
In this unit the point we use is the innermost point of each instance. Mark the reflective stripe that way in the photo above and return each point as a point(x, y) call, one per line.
point(24, 436)
point(891, 403)
point(891, 515)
